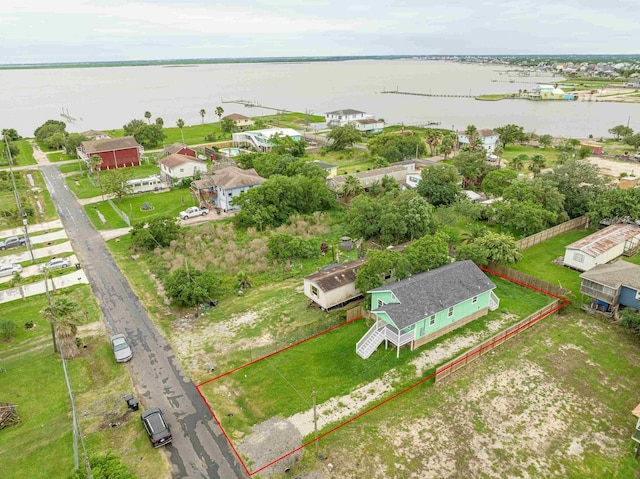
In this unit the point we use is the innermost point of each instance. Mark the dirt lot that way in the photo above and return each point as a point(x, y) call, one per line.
point(615, 168)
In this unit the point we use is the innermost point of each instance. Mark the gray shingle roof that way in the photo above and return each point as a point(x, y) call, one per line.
point(615, 275)
point(428, 293)
point(346, 111)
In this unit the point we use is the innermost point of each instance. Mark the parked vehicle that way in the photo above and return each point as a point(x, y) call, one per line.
point(192, 212)
point(10, 269)
point(156, 427)
point(55, 263)
point(121, 349)
point(13, 242)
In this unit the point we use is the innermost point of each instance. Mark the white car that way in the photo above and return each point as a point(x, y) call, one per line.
point(192, 212)
point(55, 263)
point(10, 269)
point(121, 349)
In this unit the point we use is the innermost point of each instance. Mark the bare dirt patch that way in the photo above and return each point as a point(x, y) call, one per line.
point(615, 168)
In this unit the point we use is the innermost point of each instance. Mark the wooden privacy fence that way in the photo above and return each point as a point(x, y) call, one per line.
point(538, 238)
point(482, 348)
point(526, 279)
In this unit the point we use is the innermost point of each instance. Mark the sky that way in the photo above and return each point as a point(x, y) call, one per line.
point(52, 31)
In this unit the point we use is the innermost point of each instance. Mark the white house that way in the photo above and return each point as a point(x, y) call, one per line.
point(602, 246)
point(363, 122)
point(261, 139)
point(175, 167)
point(489, 139)
point(226, 184)
point(334, 285)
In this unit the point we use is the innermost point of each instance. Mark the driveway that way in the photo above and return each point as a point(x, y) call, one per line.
point(199, 449)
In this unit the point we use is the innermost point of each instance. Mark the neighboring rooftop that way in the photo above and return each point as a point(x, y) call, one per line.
point(175, 148)
point(605, 239)
point(614, 275)
point(336, 275)
point(346, 111)
point(237, 117)
point(176, 159)
point(230, 177)
point(108, 144)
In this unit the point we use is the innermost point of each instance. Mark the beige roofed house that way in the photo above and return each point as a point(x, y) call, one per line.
point(242, 122)
point(177, 166)
point(95, 135)
point(367, 178)
point(226, 184)
point(114, 152)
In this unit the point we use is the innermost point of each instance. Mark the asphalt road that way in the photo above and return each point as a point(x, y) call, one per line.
point(199, 448)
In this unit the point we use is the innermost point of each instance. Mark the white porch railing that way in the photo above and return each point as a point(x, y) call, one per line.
point(494, 302)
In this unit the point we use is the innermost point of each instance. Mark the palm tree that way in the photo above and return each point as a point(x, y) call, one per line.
point(94, 164)
point(517, 163)
point(472, 134)
point(351, 187)
point(180, 124)
point(219, 112)
point(160, 122)
point(61, 313)
point(433, 139)
point(203, 112)
point(446, 146)
point(147, 115)
point(536, 164)
point(243, 280)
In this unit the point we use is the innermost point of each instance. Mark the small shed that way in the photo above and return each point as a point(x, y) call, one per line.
point(602, 246)
point(334, 285)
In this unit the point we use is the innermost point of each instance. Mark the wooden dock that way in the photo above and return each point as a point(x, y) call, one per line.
point(255, 104)
point(440, 95)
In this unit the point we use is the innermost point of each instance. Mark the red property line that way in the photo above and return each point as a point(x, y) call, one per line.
point(562, 304)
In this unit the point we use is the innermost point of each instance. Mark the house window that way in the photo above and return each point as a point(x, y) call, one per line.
point(314, 291)
point(578, 257)
point(432, 319)
point(474, 300)
point(450, 312)
point(380, 303)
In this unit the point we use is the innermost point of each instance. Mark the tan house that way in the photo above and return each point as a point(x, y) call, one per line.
point(334, 285)
point(175, 167)
point(242, 122)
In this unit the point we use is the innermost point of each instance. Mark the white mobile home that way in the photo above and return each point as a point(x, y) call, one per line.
point(602, 246)
point(142, 185)
point(334, 285)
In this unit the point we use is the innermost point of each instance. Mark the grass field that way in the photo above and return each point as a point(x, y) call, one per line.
point(282, 384)
point(83, 187)
point(168, 203)
point(29, 198)
point(511, 151)
point(41, 444)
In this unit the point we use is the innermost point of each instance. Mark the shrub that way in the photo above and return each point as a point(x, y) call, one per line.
point(8, 329)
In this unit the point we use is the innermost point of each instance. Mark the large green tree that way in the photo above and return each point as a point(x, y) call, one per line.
point(473, 167)
point(581, 183)
point(115, 182)
point(497, 180)
point(501, 248)
point(394, 147)
point(620, 131)
point(439, 184)
point(73, 142)
point(155, 233)
point(381, 266)
point(343, 137)
point(427, 253)
point(510, 134)
point(188, 286)
point(615, 204)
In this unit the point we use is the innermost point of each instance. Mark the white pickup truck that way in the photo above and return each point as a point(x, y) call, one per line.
point(192, 212)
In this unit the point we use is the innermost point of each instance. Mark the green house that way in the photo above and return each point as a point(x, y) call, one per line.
point(425, 306)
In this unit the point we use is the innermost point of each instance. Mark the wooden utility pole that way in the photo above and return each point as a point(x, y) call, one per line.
point(315, 419)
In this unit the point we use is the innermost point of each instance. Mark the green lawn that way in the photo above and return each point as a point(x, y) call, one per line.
point(164, 204)
point(348, 161)
point(511, 151)
point(571, 379)
point(83, 186)
point(41, 444)
point(60, 156)
point(282, 384)
point(537, 261)
point(193, 134)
